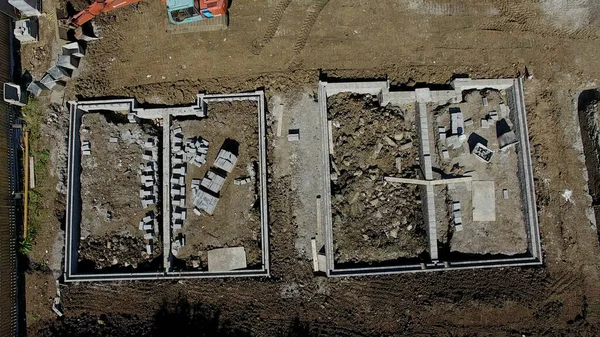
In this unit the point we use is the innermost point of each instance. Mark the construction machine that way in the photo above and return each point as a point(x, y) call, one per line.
point(183, 15)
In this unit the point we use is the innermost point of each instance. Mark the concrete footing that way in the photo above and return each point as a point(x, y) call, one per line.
point(419, 98)
point(166, 115)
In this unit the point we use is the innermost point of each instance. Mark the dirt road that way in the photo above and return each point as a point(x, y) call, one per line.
point(282, 46)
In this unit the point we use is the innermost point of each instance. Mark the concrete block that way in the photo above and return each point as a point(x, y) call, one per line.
point(293, 135)
point(13, 95)
point(149, 249)
point(74, 49)
point(406, 146)
point(469, 122)
point(35, 88)
point(25, 31)
point(507, 140)
point(445, 154)
point(505, 193)
point(197, 211)
point(148, 236)
point(485, 124)
point(148, 227)
point(28, 8)
point(141, 225)
point(60, 73)
point(485, 101)
point(179, 170)
point(226, 259)
point(113, 139)
point(504, 110)
point(68, 62)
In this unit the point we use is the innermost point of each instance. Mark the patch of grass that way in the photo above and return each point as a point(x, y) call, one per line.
point(33, 116)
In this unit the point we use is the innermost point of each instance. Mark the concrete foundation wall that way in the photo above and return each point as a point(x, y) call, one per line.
point(73, 218)
point(420, 97)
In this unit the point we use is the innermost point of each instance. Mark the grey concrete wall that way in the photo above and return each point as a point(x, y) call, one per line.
point(518, 117)
point(73, 218)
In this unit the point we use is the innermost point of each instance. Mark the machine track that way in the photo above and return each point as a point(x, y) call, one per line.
point(209, 25)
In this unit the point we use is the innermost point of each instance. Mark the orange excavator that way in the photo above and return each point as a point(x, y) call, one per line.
point(196, 15)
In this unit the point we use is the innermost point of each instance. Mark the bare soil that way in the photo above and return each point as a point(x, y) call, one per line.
point(374, 221)
point(506, 235)
point(407, 42)
point(110, 185)
point(236, 220)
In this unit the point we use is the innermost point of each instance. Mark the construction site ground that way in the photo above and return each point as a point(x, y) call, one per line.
point(110, 185)
point(283, 47)
point(374, 221)
point(236, 220)
point(506, 235)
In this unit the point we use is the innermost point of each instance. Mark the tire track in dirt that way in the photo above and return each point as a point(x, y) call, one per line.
point(566, 281)
point(310, 19)
point(522, 17)
point(272, 26)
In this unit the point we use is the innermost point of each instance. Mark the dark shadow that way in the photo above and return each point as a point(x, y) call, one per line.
point(474, 139)
point(232, 146)
point(502, 127)
point(182, 318)
point(422, 258)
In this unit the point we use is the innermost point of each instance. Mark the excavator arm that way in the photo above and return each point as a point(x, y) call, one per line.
point(99, 6)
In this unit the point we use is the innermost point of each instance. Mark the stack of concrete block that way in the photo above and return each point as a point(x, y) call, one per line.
point(86, 148)
point(177, 243)
point(242, 181)
point(195, 151)
point(457, 216)
point(225, 161)
point(206, 202)
point(177, 180)
point(457, 122)
point(56, 77)
point(148, 225)
point(149, 174)
point(213, 181)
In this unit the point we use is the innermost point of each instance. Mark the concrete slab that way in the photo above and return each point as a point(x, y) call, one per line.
point(484, 201)
point(225, 259)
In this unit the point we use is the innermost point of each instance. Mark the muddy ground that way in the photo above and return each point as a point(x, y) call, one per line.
point(374, 221)
point(410, 42)
point(110, 185)
point(236, 219)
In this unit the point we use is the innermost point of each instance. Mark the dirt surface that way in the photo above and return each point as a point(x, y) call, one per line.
point(374, 221)
point(506, 235)
point(236, 219)
point(410, 42)
point(110, 185)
